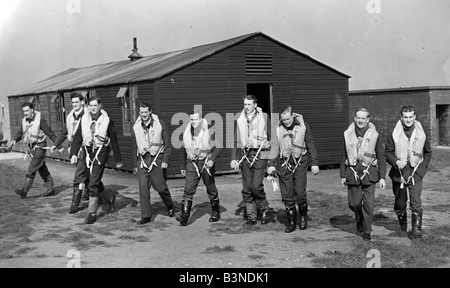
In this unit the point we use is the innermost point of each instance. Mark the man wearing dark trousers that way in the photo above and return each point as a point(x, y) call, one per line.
point(297, 152)
point(363, 165)
point(251, 153)
point(81, 177)
point(408, 151)
point(34, 132)
point(96, 136)
point(198, 158)
point(153, 152)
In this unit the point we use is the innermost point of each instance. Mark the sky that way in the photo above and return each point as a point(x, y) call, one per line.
point(379, 43)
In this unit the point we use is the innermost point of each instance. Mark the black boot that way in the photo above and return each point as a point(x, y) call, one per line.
point(416, 225)
point(50, 187)
point(250, 208)
point(112, 203)
point(26, 187)
point(183, 215)
point(171, 211)
point(291, 214)
point(303, 209)
point(359, 220)
point(403, 221)
point(76, 199)
point(215, 207)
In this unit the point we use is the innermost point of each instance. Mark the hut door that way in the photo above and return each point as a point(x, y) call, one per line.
point(443, 124)
point(262, 92)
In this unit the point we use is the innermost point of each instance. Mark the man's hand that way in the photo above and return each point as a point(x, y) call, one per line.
point(234, 164)
point(119, 164)
point(12, 143)
point(344, 182)
point(53, 148)
point(210, 163)
point(74, 159)
point(164, 165)
point(183, 172)
point(271, 170)
point(382, 183)
point(400, 164)
point(315, 169)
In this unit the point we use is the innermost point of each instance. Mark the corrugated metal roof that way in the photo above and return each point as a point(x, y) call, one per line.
point(145, 69)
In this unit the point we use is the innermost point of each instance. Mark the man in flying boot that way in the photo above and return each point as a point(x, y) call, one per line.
point(95, 136)
point(251, 153)
point(34, 132)
point(81, 177)
point(198, 158)
point(153, 152)
point(408, 151)
point(362, 165)
point(297, 151)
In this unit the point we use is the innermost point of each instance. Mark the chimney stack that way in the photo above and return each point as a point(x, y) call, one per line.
point(135, 55)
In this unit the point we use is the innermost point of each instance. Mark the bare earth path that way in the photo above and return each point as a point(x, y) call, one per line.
point(49, 236)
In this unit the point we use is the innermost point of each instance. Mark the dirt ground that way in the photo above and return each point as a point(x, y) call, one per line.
point(50, 235)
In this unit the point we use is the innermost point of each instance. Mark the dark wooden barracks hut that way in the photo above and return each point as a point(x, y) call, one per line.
point(216, 76)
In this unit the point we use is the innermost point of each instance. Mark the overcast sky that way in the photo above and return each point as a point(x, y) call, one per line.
point(400, 43)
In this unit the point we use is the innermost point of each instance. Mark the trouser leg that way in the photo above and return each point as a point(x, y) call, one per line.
point(355, 198)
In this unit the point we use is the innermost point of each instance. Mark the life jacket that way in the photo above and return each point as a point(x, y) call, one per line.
point(197, 147)
point(254, 133)
point(148, 140)
point(72, 124)
point(296, 144)
point(363, 148)
point(409, 150)
point(99, 135)
point(32, 132)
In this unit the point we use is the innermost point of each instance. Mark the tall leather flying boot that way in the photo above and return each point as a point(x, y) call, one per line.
point(109, 197)
point(50, 187)
point(215, 209)
point(85, 195)
point(359, 220)
point(92, 210)
point(185, 213)
point(303, 209)
point(76, 199)
point(251, 214)
point(291, 214)
point(25, 188)
point(403, 221)
point(416, 225)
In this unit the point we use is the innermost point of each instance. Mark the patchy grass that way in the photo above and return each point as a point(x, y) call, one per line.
point(138, 238)
point(25, 250)
point(217, 249)
point(432, 250)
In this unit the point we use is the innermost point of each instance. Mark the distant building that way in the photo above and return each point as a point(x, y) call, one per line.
point(216, 75)
point(431, 103)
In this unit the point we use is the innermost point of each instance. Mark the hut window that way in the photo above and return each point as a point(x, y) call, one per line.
point(258, 64)
point(129, 110)
point(56, 112)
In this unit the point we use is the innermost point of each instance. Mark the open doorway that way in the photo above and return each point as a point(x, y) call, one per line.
point(262, 92)
point(443, 124)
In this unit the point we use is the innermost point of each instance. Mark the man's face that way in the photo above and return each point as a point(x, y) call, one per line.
point(145, 113)
point(195, 120)
point(287, 119)
point(28, 112)
point(76, 104)
point(249, 106)
point(408, 118)
point(361, 119)
point(94, 107)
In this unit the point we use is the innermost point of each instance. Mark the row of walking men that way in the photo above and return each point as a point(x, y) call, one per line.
point(283, 158)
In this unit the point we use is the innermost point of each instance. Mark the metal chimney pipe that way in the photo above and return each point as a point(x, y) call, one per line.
point(135, 55)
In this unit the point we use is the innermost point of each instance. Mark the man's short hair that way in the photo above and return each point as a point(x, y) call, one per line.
point(144, 104)
point(196, 111)
point(362, 109)
point(407, 108)
point(286, 109)
point(28, 104)
point(251, 97)
point(95, 98)
point(76, 95)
